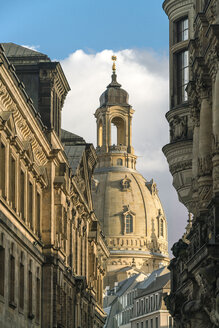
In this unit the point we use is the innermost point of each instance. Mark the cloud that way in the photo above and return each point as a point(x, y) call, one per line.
point(35, 48)
point(144, 75)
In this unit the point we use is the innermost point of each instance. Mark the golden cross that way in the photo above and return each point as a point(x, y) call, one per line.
point(114, 62)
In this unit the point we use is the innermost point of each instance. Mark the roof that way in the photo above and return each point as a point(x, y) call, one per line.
point(74, 147)
point(125, 284)
point(156, 285)
point(114, 95)
point(13, 50)
point(156, 273)
point(69, 137)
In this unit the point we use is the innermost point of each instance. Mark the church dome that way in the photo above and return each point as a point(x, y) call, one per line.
point(128, 207)
point(114, 95)
point(132, 216)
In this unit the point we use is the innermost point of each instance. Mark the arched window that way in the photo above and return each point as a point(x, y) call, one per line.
point(100, 134)
point(128, 223)
point(161, 227)
point(117, 131)
point(119, 162)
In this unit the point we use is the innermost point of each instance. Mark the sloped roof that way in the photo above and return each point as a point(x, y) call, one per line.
point(125, 284)
point(74, 147)
point(15, 51)
point(69, 137)
point(156, 285)
point(145, 283)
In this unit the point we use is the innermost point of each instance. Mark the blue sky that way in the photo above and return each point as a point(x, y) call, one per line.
point(59, 27)
point(137, 32)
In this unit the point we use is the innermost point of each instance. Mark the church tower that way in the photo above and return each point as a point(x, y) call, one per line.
point(128, 206)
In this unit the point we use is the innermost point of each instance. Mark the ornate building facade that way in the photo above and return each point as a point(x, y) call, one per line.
point(193, 158)
point(52, 250)
point(128, 206)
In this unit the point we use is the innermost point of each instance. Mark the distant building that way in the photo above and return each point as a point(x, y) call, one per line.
point(119, 302)
point(150, 310)
point(129, 208)
point(52, 250)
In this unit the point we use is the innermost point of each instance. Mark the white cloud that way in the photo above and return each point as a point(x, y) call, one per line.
point(144, 75)
point(35, 48)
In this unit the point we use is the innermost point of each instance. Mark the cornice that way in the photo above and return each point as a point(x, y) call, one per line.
point(172, 7)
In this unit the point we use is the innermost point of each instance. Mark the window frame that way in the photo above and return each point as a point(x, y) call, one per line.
point(180, 33)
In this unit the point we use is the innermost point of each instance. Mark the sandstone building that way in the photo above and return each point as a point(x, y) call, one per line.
point(193, 157)
point(52, 250)
point(128, 206)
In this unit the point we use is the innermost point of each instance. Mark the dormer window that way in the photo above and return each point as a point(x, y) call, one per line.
point(182, 27)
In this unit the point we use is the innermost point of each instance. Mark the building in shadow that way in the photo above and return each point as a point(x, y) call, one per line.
point(193, 157)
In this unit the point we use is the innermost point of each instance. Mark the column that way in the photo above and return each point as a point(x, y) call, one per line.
point(205, 151)
point(215, 125)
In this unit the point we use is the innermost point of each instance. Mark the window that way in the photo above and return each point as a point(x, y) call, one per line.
point(30, 204)
point(11, 280)
point(21, 286)
point(100, 134)
point(146, 324)
point(22, 193)
point(161, 228)
point(119, 162)
point(142, 324)
point(128, 223)
point(152, 322)
point(38, 214)
point(156, 320)
point(182, 75)
point(12, 182)
point(37, 299)
point(152, 303)
point(147, 306)
point(2, 271)
point(117, 131)
point(182, 29)
point(142, 306)
point(156, 305)
point(2, 170)
point(30, 295)
point(137, 308)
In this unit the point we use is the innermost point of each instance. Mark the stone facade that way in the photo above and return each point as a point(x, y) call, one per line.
point(128, 206)
point(193, 158)
point(52, 251)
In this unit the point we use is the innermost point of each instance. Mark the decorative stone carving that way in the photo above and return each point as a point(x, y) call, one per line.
point(152, 186)
point(178, 128)
point(94, 184)
point(125, 183)
point(205, 165)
